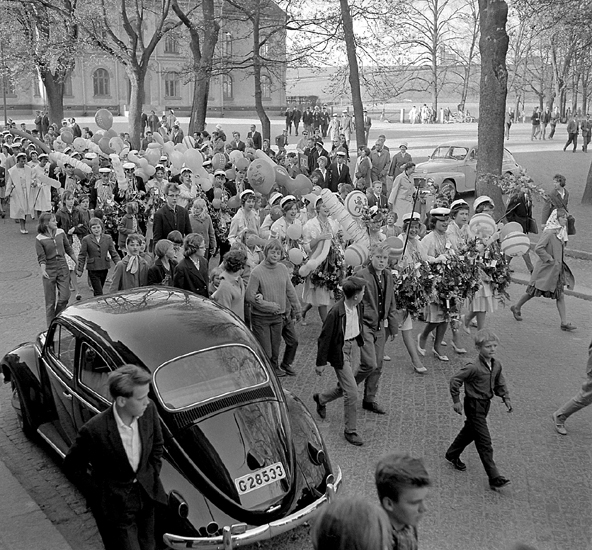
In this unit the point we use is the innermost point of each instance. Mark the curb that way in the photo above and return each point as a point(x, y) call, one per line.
point(580, 254)
point(576, 294)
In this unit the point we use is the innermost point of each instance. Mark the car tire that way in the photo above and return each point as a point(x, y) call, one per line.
point(448, 187)
point(22, 414)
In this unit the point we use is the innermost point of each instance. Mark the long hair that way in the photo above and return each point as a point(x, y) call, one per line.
point(43, 226)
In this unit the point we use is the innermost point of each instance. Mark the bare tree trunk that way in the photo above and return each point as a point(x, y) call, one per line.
point(493, 44)
point(265, 124)
point(54, 88)
point(137, 78)
point(354, 72)
point(575, 89)
point(199, 104)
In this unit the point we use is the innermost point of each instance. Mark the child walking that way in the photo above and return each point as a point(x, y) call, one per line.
point(482, 379)
point(132, 271)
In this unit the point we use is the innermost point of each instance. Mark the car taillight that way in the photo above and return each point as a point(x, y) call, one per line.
point(316, 455)
point(178, 504)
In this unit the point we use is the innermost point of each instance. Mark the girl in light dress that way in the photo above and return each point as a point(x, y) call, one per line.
point(187, 189)
point(245, 218)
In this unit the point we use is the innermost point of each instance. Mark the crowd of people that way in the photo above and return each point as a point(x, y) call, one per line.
point(223, 239)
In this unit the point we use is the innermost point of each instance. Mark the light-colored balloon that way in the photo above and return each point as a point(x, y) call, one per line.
point(294, 231)
point(296, 256)
point(104, 119)
point(261, 176)
point(193, 159)
point(235, 155)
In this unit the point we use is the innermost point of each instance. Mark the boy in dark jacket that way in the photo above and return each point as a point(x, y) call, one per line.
point(339, 344)
point(482, 379)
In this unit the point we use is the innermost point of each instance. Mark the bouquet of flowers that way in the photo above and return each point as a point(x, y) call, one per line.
point(510, 183)
point(330, 273)
point(112, 213)
point(497, 269)
point(414, 285)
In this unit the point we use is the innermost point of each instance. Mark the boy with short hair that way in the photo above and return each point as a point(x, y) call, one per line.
point(402, 484)
point(482, 379)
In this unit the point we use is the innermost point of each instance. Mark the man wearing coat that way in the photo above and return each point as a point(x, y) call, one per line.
point(339, 172)
point(171, 217)
point(177, 135)
point(20, 187)
point(124, 447)
point(255, 136)
point(586, 128)
point(572, 133)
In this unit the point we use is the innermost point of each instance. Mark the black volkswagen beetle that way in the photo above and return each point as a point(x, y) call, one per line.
point(244, 460)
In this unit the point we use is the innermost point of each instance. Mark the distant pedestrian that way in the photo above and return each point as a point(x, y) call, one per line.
point(554, 120)
point(482, 380)
point(572, 134)
point(402, 483)
point(578, 402)
point(536, 124)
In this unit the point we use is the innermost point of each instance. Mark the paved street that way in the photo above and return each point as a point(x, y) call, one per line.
point(548, 505)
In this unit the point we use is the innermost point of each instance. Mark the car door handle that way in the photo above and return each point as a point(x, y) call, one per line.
point(67, 395)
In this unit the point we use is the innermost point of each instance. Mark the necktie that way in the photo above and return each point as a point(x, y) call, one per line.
point(339, 170)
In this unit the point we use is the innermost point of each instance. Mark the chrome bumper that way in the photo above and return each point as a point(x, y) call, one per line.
point(231, 539)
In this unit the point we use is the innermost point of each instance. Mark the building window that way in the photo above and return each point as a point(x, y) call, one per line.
point(264, 50)
point(172, 85)
point(265, 87)
point(101, 83)
point(227, 92)
point(227, 45)
point(68, 85)
point(171, 45)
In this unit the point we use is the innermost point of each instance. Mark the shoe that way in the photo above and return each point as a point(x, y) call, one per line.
point(498, 482)
point(441, 357)
point(568, 327)
point(372, 406)
point(386, 358)
point(354, 439)
point(289, 370)
point(460, 351)
point(420, 370)
point(26, 231)
point(321, 409)
point(464, 324)
point(559, 425)
point(516, 312)
point(457, 463)
point(420, 350)
point(279, 372)
point(23, 231)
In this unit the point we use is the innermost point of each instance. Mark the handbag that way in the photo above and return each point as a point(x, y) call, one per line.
point(571, 225)
point(531, 226)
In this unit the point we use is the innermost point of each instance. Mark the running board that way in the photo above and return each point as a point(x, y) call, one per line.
point(52, 437)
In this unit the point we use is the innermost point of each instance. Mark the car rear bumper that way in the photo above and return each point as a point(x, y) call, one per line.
point(229, 540)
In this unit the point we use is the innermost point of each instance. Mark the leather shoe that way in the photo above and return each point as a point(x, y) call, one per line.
point(321, 409)
point(280, 373)
point(289, 370)
point(457, 463)
point(568, 327)
point(559, 425)
point(516, 312)
point(354, 439)
point(372, 406)
point(498, 482)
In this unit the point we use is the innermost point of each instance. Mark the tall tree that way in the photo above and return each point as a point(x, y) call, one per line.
point(493, 46)
point(202, 52)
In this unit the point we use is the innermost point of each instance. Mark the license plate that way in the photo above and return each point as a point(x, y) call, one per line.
point(260, 478)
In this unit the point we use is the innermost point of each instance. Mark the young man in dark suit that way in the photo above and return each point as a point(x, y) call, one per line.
point(171, 217)
point(255, 136)
point(124, 447)
point(339, 172)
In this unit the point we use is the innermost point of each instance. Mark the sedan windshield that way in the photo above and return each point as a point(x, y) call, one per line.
point(450, 152)
point(206, 374)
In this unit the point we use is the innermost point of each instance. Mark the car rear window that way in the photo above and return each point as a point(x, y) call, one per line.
point(207, 374)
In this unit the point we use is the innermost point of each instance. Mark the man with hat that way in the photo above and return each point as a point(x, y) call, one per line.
point(339, 172)
point(68, 180)
point(221, 182)
point(102, 191)
point(398, 161)
point(20, 188)
point(133, 187)
point(208, 166)
point(367, 125)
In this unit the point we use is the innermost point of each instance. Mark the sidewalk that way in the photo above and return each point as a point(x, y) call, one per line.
point(23, 525)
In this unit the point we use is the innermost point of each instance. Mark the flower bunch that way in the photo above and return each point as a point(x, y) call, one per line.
point(511, 183)
point(497, 270)
point(112, 213)
point(329, 274)
point(414, 286)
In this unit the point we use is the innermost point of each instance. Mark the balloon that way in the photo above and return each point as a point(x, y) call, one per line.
point(104, 119)
point(482, 225)
point(79, 173)
point(150, 170)
point(299, 186)
point(189, 142)
point(242, 164)
point(235, 155)
point(39, 144)
point(515, 244)
point(116, 144)
point(193, 159)
point(276, 213)
point(168, 147)
point(349, 224)
point(259, 154)
point(317, 257)
point(132, 157)
point(295, 255)
point(79, 144)
point(97, 136)
point(67, 136)
point(281, 175)
point(154, 145)
point(355, 203)
point(158, 138)
point(261, 176)
point(216, 203)
point(511, 227)
point(234, 202)
point(110, 133)
point(176, 158)
point(104, 145)
point(231, 174)
point(294, 231)
point(142, 174)
point(152, 156)
point(219, 161)
point(181, 147)
point(217, 193)
point(396, 247)
point(355, 255)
